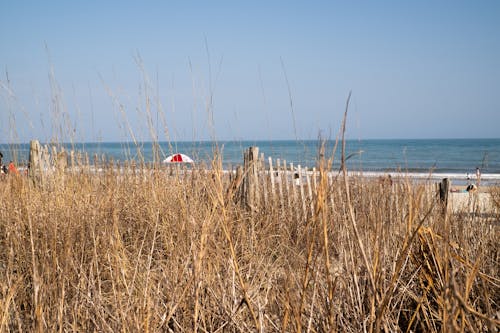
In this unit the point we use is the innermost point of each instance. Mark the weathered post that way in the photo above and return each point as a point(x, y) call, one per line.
point(44, 159)
point(280, 184)
point(295, 181)
point(302, 196)
point(34, 171)
point(315, 181)
point(251, 171)
point(310, 192)
point(271, 177)
point(284, 179)
point(264, 179)
point(444, 188)
point(62, 161)
point(53, 156)
point(236, 187)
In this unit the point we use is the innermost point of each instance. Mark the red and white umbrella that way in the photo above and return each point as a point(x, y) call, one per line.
point(178, 158)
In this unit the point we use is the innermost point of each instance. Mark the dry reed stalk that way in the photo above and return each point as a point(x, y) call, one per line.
point(352, 218)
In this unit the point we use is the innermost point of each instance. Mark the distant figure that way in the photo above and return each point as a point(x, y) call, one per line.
point(12, 168)
point(385, 180)
point(471, 188)
point(296, 177)
point(27, 171)
point(1, 164)
point(478, 176)
point(468, 178)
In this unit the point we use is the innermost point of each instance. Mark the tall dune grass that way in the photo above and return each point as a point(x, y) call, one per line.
point(154, 250)
point(148, 249)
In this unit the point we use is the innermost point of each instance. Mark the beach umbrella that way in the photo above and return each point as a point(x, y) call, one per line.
point(178, 158)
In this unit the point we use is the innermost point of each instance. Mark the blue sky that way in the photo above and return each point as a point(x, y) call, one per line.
point(91, 70)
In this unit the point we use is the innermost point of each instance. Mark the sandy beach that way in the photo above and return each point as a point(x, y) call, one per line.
point(479, 201)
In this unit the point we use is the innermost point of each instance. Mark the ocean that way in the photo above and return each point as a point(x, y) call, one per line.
point(455, 157)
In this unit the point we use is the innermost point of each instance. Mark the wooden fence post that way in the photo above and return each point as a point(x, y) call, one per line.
point(53, 157)
point(293, 205)
point(302, 196)
point(315, 181)
point(264, 178)
point(44, 159)
point(284, 179)
point(271, 177)
point(251, 170)
point(280, 184)
point(34, 171)
point(310, 192)
point(444, 188)
point(62, 161)
point(237, 184)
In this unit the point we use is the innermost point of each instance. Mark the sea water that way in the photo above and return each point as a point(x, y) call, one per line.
point(455, 157)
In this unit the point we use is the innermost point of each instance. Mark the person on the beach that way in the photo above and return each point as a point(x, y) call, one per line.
point(478, 176)
point(471, 188)
point(296, 177)
point(27, 171)
point(12, 168)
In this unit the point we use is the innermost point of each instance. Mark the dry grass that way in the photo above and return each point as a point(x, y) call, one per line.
point(495, 195)
point(158, 251)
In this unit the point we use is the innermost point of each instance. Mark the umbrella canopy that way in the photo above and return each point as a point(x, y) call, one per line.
point(178, 158)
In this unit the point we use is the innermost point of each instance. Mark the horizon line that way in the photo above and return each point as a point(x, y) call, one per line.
point(252, 140)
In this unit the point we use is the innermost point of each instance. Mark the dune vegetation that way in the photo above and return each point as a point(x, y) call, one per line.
point(150, 249)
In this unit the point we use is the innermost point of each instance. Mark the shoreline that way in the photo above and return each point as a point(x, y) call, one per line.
point(419, 158)
point(487, 179)
point(457, 179)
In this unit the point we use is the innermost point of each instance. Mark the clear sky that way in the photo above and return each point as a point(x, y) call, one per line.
point(91, 70)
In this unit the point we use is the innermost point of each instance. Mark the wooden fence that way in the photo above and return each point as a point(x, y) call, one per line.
point(258, 182)
point(295, 189)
